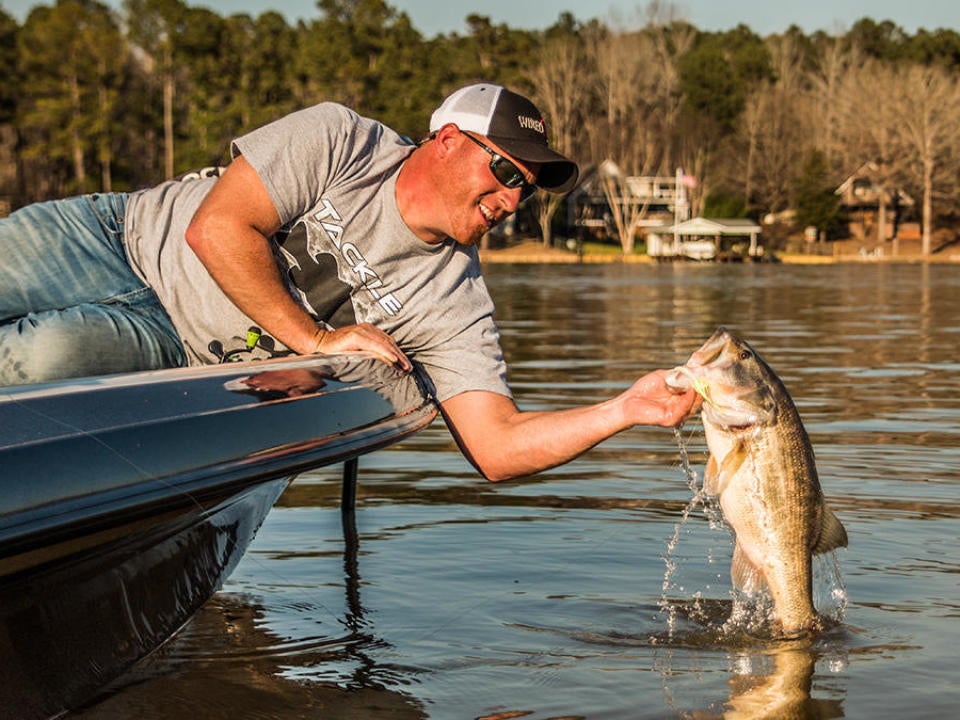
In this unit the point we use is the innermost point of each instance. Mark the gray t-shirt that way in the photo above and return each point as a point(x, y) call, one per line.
point(343, 247)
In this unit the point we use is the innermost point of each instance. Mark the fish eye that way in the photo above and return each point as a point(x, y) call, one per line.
point(745, 355)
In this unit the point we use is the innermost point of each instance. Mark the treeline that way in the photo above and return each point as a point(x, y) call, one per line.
point(98, 100)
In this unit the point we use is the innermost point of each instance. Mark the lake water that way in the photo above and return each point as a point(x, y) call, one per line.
point(544, 598)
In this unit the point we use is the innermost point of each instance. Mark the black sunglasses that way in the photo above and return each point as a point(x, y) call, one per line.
point(506, 173)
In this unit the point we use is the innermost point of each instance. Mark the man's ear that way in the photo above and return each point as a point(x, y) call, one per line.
point(446, 139)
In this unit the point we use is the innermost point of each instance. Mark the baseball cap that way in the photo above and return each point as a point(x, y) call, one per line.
point(514, 124)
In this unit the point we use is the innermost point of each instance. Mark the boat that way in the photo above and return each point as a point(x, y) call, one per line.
point(127, 500)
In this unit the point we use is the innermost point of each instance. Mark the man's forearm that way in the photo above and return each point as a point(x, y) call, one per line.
point(246, 271)
point(502, 442)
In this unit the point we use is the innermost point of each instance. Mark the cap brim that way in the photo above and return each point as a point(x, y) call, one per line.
point(557, 173)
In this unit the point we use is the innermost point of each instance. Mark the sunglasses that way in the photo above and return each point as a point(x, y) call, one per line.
point(506, 173)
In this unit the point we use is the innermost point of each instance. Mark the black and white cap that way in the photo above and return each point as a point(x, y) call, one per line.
point(514, 124)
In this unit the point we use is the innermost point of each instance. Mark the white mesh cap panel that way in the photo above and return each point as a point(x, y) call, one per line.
point(470, 108)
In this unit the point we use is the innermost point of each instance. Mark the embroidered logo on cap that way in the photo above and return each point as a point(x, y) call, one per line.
point(529, 123)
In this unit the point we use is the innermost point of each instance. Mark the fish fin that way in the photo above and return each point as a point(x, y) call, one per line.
point(710, 480)
point(734, 459)
point(832, 533)
point(716, 475)
point(743, 573)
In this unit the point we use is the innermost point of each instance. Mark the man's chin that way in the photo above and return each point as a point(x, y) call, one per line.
point(473, 238)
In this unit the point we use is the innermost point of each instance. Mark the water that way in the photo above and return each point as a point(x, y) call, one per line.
point(550, 597)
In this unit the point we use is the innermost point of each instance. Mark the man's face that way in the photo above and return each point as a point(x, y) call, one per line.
point(478, 201)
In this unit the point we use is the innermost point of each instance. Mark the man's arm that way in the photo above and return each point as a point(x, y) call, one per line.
point(502, 442)
point(229, 235)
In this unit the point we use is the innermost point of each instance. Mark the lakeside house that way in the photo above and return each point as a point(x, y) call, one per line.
point(873, 206)
point(657, 207)
point(702, 238)
point(640, 201)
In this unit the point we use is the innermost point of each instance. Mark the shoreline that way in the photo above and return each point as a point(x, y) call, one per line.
point(533, 252)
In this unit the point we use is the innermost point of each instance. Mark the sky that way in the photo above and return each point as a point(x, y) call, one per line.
point(764, 17)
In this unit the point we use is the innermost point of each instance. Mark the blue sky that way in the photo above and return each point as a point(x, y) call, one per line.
point(762, 16)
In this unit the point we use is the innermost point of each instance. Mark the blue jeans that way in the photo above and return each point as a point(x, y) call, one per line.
point(70, 304)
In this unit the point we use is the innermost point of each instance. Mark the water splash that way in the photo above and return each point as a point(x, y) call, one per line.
point(752, 612)
point(699, 499)
point(829, 591)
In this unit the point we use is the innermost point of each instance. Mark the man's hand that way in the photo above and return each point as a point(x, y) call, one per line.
point(364, 338)
point(651, 401)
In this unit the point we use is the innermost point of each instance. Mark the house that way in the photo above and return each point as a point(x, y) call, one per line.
point(706, 239)
point(647, 200)
point(874, 208)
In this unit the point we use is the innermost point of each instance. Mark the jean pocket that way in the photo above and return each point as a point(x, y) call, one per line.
point(109, 209)
point(140, 298)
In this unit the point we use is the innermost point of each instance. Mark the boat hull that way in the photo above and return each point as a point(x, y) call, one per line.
point(128, 500)
point(72, 627)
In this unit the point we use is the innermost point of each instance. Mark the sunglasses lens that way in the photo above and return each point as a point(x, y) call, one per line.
point(506, 172)
point(510, 176)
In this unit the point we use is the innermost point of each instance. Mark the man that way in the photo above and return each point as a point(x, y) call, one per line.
point(331, 233)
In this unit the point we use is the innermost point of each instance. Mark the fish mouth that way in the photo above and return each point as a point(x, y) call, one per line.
point(680, 379)
point(683, 376)
point(730, 416)
point(730, 419)
point(711, 349)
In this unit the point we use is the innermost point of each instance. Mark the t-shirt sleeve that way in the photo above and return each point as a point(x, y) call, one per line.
point(462, 351)
point(302, 153)
point(473, 360)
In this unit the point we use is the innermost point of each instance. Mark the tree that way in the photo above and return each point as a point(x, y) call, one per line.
point(617, 130)
point(72, 58)
point(710, 87)
point(671, 41)
point(155, 27)
point(207, 84)
point(84, 105)
point(882, 41)
point(872, 137)
point(715, 78)
point(928, 107)
point(8, 67)
point(633, 122)
point(626, 210)
point(817, 203)
point(560, 93)
point(9, 92)
point(494, 52)
point(832, 80)
point(637, 96)
point(351, 51)
point(108, 53)
point(261, 56)
point(940, 47)
point(771, 133)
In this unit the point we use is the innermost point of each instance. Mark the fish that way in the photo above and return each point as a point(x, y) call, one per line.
point(762, 468)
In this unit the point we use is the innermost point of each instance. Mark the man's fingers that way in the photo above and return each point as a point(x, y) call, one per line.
point(366, 338)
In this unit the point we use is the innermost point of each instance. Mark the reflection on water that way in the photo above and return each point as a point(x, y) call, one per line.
point(777, 685)
point(227, 661)
point(225, 665)
point(543, 598)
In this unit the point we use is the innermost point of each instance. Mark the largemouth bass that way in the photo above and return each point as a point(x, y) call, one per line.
point(761, 466)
